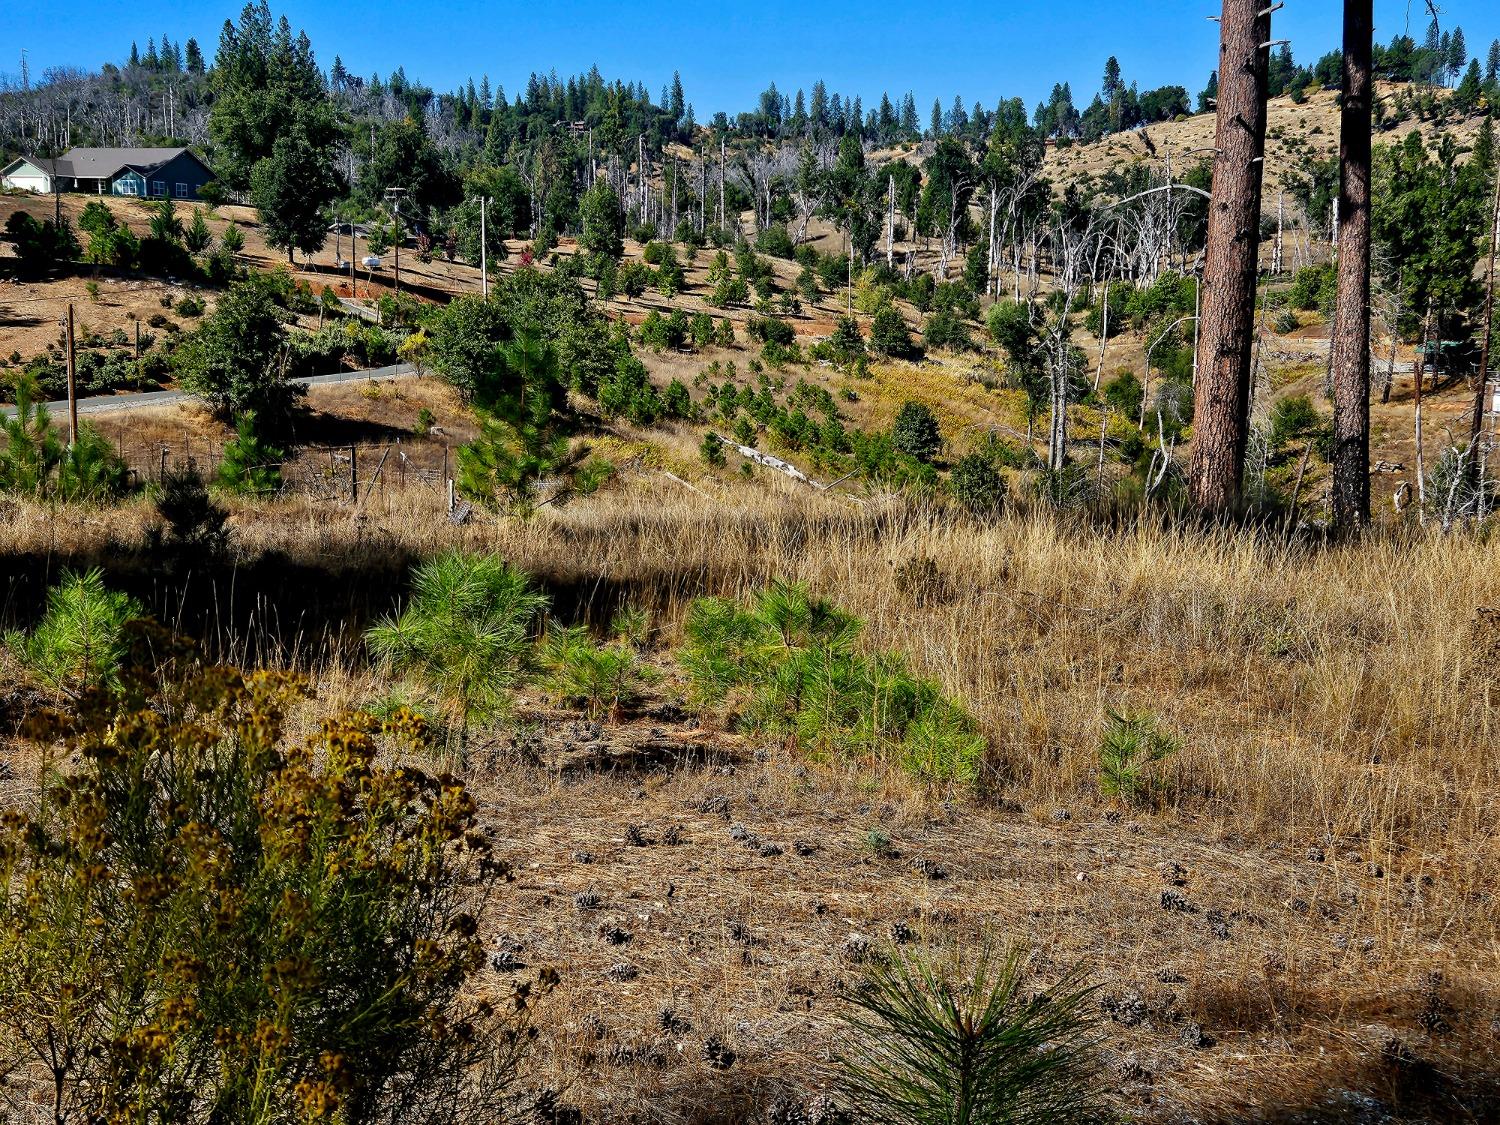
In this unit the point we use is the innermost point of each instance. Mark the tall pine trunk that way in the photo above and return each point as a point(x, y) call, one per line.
point(1351, 328)
point(1222, 403)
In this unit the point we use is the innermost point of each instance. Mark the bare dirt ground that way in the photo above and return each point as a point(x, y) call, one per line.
point(739, 899)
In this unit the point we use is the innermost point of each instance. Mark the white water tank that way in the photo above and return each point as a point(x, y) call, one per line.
point(372, 262)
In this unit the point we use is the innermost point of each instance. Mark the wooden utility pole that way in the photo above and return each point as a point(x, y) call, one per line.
point(1350, 348)
point(1222, 402)
point(723, 216)
point(72, 385)
point(393, 197)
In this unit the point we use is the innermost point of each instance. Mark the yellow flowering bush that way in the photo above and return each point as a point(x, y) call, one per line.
point(206, 921)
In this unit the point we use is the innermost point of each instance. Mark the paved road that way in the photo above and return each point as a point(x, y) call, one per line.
point(364, 312)
point(105, 403)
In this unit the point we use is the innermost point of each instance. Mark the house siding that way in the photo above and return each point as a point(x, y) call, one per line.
point(180, 178)
point(28, 177)
point(129, 184)
point(182, 169)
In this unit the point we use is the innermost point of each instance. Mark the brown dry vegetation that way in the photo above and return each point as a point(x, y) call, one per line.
point(1332, 810)
point(1327, 945)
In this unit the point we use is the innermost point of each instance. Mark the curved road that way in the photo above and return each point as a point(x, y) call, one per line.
point(101, 404)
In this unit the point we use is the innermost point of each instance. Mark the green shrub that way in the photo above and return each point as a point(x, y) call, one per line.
point(664, 333)
point(791, 659)
point(771, 330)
point(677, 401)
point(605, 679)
point(80, 640)
point(978, 485)
point(1293, 417)
point(628, 393)
point(701, 331)
point(1124, 394)
point(226, 923)
point(1314, 289)
point(807, 284)
point(91, 471)
point(671, 278)
point(1009, 325)
point(729, 291)
point(197, 236)
point(775, 240)
point(631, 625)
point(193, 526)
point(251, 465)
point(946, 329)
point(966, 1042)
point(426, 419)
point(1130, 752)
point(213, 194)
point(632, 278)
point(33, 449)
point(464, 634)
point(40, 245)
point(846, 343)
point(916, 432)
point(35, 461)
point(712, 450)
point(889, 335)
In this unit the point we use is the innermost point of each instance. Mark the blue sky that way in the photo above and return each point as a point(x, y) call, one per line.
point(727, 53)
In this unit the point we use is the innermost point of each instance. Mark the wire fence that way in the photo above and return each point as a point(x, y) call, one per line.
point(334, 474)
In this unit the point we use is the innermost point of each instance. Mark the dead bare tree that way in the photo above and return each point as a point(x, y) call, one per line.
point(1350, 351)
point(1221, 409)
point(1071, 246)
point(760, 173)
point(804, 179)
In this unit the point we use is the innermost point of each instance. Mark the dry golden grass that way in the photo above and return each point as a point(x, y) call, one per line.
point(1338, 699)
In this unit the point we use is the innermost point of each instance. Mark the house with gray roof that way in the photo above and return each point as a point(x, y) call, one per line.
point(147, 173)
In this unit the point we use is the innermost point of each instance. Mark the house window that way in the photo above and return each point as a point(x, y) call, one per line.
point(158, 188)
point(127, 187)
point(180, 191)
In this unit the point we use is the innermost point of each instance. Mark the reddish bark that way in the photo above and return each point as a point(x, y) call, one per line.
point(1230, 264)
point(1351, 325)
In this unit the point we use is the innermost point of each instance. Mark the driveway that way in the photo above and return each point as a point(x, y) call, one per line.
point(101, 404)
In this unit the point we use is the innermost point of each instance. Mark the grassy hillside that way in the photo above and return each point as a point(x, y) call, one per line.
point(1299, 925)
point(1285, 907)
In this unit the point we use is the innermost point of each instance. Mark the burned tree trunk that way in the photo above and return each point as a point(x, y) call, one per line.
point(1222, 405)
point(1351, 327)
